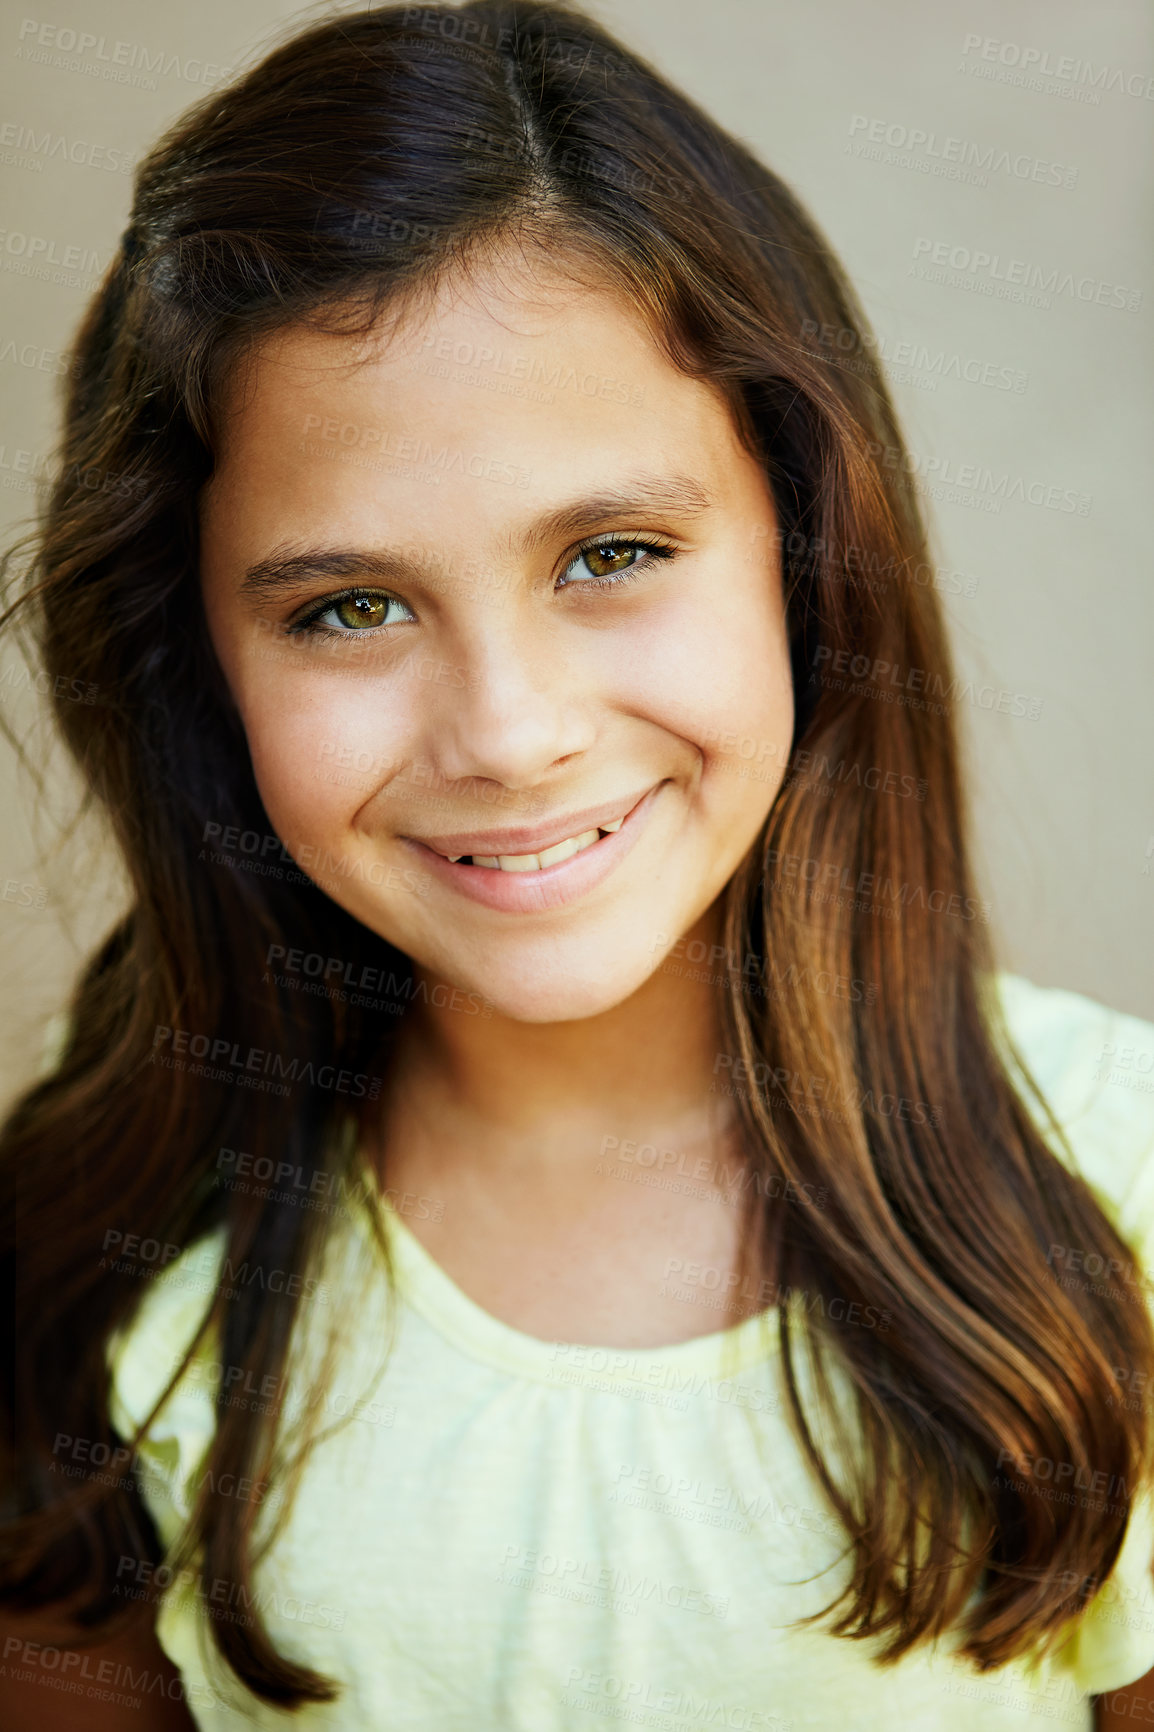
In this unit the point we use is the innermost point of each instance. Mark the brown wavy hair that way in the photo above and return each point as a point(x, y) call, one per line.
point(351, 167)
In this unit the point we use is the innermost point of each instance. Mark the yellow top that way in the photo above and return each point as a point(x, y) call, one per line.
point(514, 1535)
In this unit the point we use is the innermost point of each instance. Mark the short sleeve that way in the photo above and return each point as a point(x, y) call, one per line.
point(141, 1360)
point(1112, 1642)
point(1095, 1068)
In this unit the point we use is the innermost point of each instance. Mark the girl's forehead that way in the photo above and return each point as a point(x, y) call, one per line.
point(506, 306)
point(507, 354)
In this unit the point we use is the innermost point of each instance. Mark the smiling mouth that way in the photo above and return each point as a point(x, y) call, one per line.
point(553, 856)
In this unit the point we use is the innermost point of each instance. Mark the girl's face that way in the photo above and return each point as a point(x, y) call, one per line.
point(497, 597)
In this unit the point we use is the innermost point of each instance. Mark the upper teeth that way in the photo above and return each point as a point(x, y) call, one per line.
point(548, 856)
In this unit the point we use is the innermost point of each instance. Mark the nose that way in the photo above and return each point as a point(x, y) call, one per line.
point(519, 711)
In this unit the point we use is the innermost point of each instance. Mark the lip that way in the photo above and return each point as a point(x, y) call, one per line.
point(527, 840)
point(552, 886)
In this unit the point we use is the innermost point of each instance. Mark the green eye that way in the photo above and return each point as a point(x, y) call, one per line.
point(610, 557)
point(614, 560)
point(359, 612)
point(356, 613)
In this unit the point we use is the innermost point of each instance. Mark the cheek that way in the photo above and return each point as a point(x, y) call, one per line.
point(720, 679)
point(321, 745)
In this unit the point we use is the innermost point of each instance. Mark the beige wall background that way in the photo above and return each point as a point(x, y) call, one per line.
point(1008, 139)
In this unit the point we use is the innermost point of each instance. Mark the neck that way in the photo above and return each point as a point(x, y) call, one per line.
point(638, 1070)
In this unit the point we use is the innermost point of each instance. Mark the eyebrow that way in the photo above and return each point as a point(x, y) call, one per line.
point(287, 568)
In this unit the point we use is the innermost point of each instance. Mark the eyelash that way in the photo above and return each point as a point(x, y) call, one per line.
point(658, 547)
point(310, 625)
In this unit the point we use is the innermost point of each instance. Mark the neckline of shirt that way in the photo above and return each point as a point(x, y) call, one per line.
point(481, 1336)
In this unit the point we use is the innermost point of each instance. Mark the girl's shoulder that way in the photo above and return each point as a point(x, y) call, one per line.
point(1092, 1067)
point(145, 1354)
point(1094, 1070)
point(142, 1358)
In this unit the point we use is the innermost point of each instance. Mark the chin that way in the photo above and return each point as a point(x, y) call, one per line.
point(560, 995)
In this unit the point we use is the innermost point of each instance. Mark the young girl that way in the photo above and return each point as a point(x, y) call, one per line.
point(544, 1212)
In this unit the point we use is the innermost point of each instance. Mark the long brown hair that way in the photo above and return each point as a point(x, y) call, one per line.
point(353, 165)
